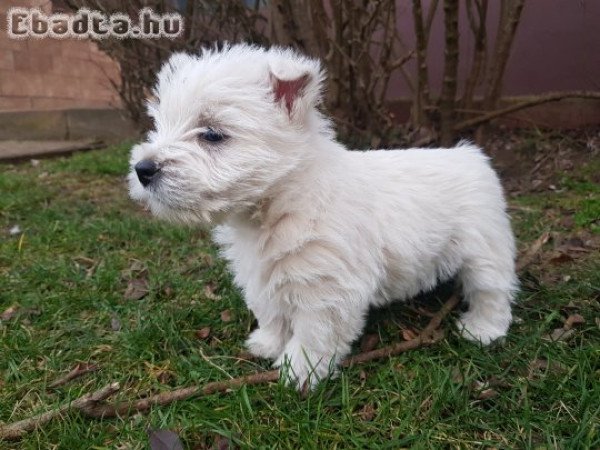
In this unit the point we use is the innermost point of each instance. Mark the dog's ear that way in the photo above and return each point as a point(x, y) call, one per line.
point(295, 80)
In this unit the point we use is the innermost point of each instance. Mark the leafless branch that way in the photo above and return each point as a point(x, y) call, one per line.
point(509, 20)
point(78, 371)
point(449, 83)
point(532, 101)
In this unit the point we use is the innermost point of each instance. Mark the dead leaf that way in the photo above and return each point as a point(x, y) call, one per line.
point(137, 266)
point(102, 348)
point(137, 289)
point(542, 365)
point(567, 222)
point(207, 260)
point(163, 373)
point(209, 291)
point(203, 333)
point(538, 364)
point(226, 315)
point(369, 342)
point(9, 312)
point(399, 367)
point(164, 440)
point(115, 323)
point(84, 261)
point(561, 258)
point(486, 394)
point(136, 270)
point(572, 247)
point(409, 335)
point(425, 406)
point(167, 291)
point(576, 242)
point(565, 164)
point(362, 376)
point(482, 390)
point(528, 256)
point(367, 412)
point(222, 443)
point(573, 319)
point(559, 334)
point(457, 376)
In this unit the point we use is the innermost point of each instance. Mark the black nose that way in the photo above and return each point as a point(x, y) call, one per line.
point(146, 171)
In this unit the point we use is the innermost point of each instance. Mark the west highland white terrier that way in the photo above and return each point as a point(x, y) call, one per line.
point(316, 234)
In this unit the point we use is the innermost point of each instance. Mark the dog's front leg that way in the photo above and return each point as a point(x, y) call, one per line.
point(320, 339)
point(272, 334)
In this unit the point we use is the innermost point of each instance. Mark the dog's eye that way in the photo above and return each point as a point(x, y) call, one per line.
point(211, 135)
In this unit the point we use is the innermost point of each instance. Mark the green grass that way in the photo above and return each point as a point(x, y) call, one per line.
point(68, 271)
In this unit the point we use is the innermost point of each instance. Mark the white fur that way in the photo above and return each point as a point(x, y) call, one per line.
point(315, 234)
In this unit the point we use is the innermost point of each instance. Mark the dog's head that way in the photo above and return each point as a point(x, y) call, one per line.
point(228, 126)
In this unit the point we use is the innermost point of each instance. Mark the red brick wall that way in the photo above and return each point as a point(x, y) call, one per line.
point(43, 74)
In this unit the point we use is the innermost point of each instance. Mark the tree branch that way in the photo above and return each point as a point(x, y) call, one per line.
point(534, 101)
point(422, 95)
point(507, 28)
point(449, 83)
point(479, 30)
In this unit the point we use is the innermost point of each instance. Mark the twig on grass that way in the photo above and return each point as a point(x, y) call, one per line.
point(165, 398)
point(428, 335)
point(92, 405)
point(16, 430)
point(78, 371)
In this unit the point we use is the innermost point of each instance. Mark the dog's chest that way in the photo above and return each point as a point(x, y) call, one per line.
point(242, 249)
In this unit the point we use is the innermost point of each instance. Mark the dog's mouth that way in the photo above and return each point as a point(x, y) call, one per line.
point(163, 199)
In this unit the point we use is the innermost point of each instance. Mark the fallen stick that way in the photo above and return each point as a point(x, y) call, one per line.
point(92, 405)
point(16, 430)
point(168, 397)
point(78, 371)
point(429, 335)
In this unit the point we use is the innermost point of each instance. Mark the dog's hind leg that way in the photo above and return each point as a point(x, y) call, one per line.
point(489, 284)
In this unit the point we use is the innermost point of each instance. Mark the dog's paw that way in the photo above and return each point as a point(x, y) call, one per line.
point(265, 344)
point(303, 368)
point(478, 329)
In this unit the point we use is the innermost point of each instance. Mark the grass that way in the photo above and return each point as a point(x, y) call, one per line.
point(82, 240)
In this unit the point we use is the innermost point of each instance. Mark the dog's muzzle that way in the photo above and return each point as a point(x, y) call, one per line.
point(146, 171)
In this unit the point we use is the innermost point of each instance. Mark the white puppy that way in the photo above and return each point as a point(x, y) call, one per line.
point(316, 234)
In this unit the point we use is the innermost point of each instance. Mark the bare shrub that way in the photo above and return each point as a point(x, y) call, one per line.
point(360, 45)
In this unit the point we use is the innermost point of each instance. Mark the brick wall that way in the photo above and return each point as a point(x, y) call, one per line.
point(45, 74)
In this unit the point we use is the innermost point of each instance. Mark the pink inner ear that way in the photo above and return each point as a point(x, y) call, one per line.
point(289, 90)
